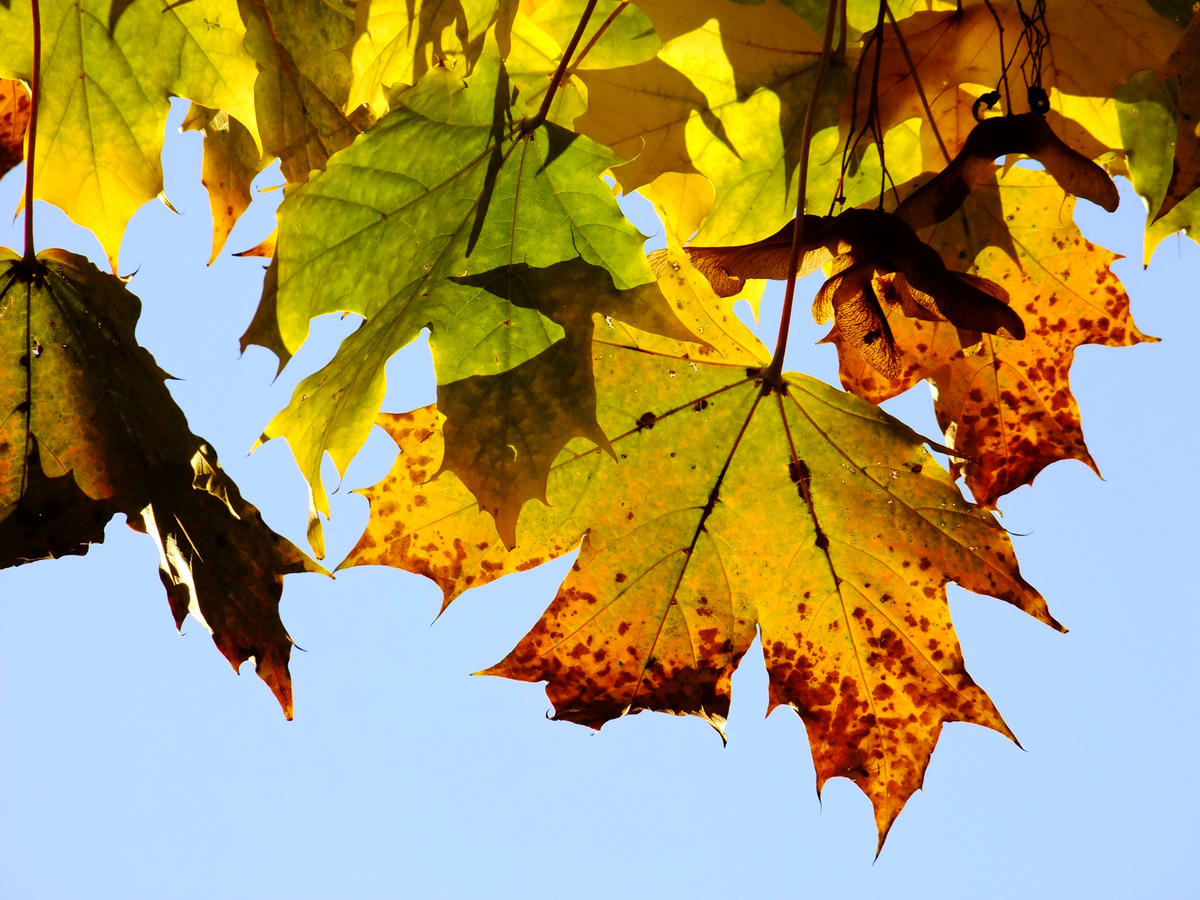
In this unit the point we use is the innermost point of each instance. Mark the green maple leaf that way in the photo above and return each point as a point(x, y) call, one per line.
point(390, 246)
point(88, 429)
point(1150, 111)
point(802, 511)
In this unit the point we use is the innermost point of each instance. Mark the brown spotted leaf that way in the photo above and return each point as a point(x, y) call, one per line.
point(231, 162)
point(1008, 407)
point(88, 429)
point(727, 509)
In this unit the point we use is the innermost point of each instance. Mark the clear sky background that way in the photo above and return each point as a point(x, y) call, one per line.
point(135, 764)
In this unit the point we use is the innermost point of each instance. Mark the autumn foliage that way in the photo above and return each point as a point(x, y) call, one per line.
point(451, 168)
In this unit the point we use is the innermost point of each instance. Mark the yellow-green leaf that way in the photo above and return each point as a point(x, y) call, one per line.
point(105, 96)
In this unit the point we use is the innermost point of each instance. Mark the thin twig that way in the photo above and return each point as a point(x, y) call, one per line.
point(1003, 63)
point(531, 125)
point(773, 374)
point(873, 111)
point(840, 53)
point(917, 81)
point(587, 48)
point(35, 90)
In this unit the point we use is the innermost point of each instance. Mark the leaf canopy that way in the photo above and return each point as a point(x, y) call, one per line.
point(446, 166)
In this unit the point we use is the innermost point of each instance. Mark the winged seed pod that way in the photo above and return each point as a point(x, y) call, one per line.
point(875, 258)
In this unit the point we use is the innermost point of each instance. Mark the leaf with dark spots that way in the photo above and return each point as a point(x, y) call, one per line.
point(695, 537)
point(1007, 406)
point(231, 162)
point(88, 429)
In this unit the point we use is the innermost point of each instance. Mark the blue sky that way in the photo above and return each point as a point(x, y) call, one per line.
point(134, 763)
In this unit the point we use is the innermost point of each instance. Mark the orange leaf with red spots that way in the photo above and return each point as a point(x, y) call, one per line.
point(1008, 407)
point(730, 509)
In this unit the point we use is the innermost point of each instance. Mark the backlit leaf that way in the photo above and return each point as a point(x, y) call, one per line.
point(397, 41)
point(303, 81)
point(231, 162)
point(105, 97)
point(1148, 110)
point(806, 513)
point(504, 430)
point(390, 246)
point(1096, 46)
point(725, 97)
point(14, 119)
point(88, 429)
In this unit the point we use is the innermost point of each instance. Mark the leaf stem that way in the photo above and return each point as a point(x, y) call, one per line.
point(595, 38)
point(531, 125)
point(773, 373)
point(35, 90)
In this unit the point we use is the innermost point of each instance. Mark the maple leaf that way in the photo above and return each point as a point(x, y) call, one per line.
point(105, 96)
point(492, 197)
point(1095, 46)
point(88, 429)
point(1008, 407)
point(616, 34)
point(433, 526)
point(804, 512)
point(397, 41)
point(1184, 66)
point(1155, 115)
